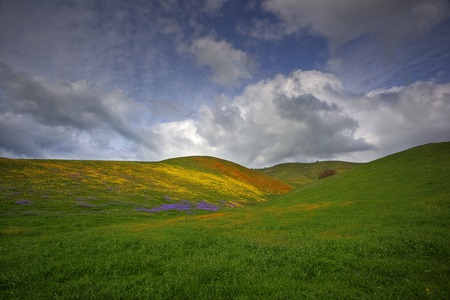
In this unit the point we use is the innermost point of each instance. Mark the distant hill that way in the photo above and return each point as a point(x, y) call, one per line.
point(298, 174)
point(415, 173)
point(146, 183)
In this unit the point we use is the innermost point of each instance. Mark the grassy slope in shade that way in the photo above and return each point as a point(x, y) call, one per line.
point(298, 174)
point(378, 231)
point(102, 183)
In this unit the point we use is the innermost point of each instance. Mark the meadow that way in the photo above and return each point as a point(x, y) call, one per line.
point(86, 230)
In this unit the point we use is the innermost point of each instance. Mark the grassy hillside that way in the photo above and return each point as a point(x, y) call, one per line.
point(406, 175)
point(378, 231)
point(298, 174)
point(108, 185)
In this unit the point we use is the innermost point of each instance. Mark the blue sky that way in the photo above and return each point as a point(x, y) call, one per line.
point(255, 82)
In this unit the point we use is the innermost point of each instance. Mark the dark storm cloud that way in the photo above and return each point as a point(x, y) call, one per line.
point(67, 108)
point(17, 137)
point(343, 21)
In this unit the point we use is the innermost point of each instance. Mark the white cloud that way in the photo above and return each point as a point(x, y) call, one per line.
point(402, 117)
point(181, 138)
point(284, 119)
point(309, 116)
point(228, 65)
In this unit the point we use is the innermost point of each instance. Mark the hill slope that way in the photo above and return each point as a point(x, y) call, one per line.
point(378, 231)
point(91, 183)
point(298, 174)
point(407, 175)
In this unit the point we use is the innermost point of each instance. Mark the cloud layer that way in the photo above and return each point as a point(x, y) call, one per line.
point(304, 116)
point(343, 21)
point(308, 116)
point(256, 82)
point(77, 118)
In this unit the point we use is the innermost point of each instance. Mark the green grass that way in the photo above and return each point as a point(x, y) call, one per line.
point(378, 231)
point(298, 174)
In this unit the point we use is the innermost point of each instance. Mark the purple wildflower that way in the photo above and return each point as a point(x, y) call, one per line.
point(23, 202)
point(143, 209)
point(207, 206)
point(176, 206)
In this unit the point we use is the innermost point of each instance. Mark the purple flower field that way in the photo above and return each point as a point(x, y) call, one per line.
point(183, 205)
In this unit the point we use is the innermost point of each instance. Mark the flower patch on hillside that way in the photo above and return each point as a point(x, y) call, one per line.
point(183, 205)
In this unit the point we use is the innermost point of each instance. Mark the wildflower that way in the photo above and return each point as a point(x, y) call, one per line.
point(207, 206)
point(23, 202)
point(176, 206)
point(143, 209)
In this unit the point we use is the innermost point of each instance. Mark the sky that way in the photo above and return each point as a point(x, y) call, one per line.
point(255, 82)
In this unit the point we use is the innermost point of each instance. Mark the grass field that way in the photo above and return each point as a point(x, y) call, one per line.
point(376, 231)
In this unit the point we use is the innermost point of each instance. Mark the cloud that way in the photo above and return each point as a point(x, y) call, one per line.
point(308, 116)
point(128, 45)
point(181, 138)
point(343, 21)
point(63, 116)
point(284, 119)
point(402, 117)
point(228, 65)
point(304, 116)
point(214, 5)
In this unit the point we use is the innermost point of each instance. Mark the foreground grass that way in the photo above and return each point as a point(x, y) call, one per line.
point(379, 231)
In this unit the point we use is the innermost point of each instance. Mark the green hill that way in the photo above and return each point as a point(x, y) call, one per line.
point(298, 174)
point(411, 174)
point(377, 231)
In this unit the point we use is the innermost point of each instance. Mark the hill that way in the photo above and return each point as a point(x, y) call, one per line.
point(408, 175)
point(110, 183)
point(298, 174)
point(377, 231)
